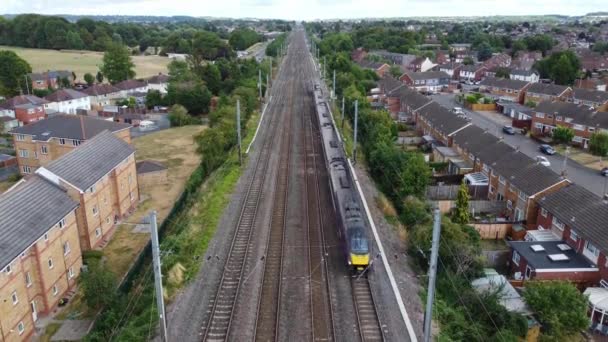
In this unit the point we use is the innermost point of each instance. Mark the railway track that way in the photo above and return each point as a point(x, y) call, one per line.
point(321, 310)
point(221, 315)
point(267, 319)
point(365, 309)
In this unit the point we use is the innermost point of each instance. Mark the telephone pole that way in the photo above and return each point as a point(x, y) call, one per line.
point(158, 278)
point(238, 128)
point(428, 316)
point(564, 172)
point(27, 84)
point(355, 132)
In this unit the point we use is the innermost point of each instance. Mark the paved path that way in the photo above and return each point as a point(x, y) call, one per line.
point(493, 122)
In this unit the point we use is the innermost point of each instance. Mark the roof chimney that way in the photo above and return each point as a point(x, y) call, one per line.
point(84, 135)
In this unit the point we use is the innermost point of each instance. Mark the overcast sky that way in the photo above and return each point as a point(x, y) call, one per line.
point(306, 9)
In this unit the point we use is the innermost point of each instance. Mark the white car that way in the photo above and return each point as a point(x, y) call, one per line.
point(457, 110)
point(543, 161)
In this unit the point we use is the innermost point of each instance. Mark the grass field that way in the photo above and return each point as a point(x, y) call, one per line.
point(82, 62)
point(174, 148)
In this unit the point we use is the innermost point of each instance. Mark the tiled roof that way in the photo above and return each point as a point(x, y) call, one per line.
point(146, 166)
point(504, 83)
point(579, 113)
point(412, 98)
point(582, 210)
point(27, 212)
point(547, 89)
point(472, 68)
point(100, 89)
point(69, 127)
point(389, 84)
point(449, 66)
point(84, 166)
point(22, 99)
point(129, 84)
point(371, 64)
point(590, 95)
point(521, 72)
point(427, 75)
point(158, 79)
point(442, 119)
point(489, 154)
point(65, 95)
point(474, 139)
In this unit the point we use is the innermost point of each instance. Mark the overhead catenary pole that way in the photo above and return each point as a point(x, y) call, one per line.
point(158, 280)
point(565, 164)
point(355, 132)
point(270, 60)
point(267, 84)
point(27, 84)
point(334, 84)
point(324, 62)
point(260, 84)
point(428, 316)
point(238, 128)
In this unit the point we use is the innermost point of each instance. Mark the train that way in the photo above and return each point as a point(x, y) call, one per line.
point(352, 224)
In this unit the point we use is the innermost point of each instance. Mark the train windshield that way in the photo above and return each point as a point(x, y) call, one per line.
point(358, 242)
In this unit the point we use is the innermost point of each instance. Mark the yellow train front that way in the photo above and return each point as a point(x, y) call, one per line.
point(355, 238)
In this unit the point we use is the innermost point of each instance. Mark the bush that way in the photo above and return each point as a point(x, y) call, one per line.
point(178, 116)
point(598, 144)
point(15, 178)
point(563, 135)
point(98, 285)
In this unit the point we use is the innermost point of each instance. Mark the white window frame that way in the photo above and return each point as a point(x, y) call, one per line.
point(71, 272)
point(8, 269)
point(24, 153)
point(61, 223)
point(516, 258)
point(573, 235)
point(98, 233)
point(594, 250)
point(557, 224)
point(14, 298)
point(44, 149)
point(61, 141)
point(20, 137)
point(502, 180)
point(21, 328)
point(66, 248)
point(540, 115)
point(46, 236)
point(50, 263)
point(543, 212)
point(28, 279)
point(55, 290)
point(26, 169)
point(95, 210)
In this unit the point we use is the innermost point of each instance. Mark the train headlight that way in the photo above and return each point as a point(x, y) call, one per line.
point(350, 263)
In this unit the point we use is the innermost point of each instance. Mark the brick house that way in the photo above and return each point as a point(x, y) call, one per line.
point(131, 86)
point(582, 119)
point(426, 81)
point(589, 97)
point(40, 143)
point(40, 256)
point(50, 79)
point(471, 72)
point(530, 76)
point(538, 92)
point(411, 103)
point(421, 64)
point(358, 55)
point(30, 108)
point(500, 60)
point(102, 95)
point(504, 89)
point(576, 217)
point(67, 101)
point(388, 86)
point(379, 68)
point(401, 59)
point(101, 176)
point(440, 123)
point(158, 82)
point(452, 69)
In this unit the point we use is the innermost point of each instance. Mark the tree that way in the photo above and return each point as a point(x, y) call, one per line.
point(98, 285)
point(560, 307)
point(484, 52)
point(395, 71)
point(64, 82)
point(562, 67)
point(89, 78)
point(503, 72)
point(117, 64)
point(178, 116)
point(242, 38)
point(192, 95)
point(154, 98)
point(598, 144)
point(468, 61)
point(461, 212)
point(563, 135)
point(99, 77)
point(13, 70)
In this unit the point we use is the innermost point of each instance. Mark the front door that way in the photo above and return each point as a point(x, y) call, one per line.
point(528, 272)
point(34, 312)
point(518, 214)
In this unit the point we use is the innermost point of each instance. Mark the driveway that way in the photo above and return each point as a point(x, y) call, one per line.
point(493, 122)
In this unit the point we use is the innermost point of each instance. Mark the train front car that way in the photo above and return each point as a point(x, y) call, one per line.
point(356, 237)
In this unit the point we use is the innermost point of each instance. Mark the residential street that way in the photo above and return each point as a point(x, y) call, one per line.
point(493, 122)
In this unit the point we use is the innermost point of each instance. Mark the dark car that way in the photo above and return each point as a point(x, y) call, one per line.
point(546, 149)
point(604, 172)
point(508, 130)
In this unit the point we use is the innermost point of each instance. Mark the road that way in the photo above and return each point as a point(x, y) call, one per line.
point(493, 122)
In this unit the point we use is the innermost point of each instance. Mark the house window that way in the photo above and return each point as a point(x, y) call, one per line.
point(76, 142)
point(62, 141)
point(8, 269)
point(509, 204)
point(471, 156)
point(55, 290)
point(28, 279)
point(577, 139)
point(50, 262)
point(98, 232)
point(568, 120)
point(108, 220)
point(91, 189)
point(522, 195)
point(20, 137)
point(543, 212)
point(46, 236)
point(71, 272)
point(515, 258)
point(549, 116)
point(66, 248)
point(592, 249)
point(61, 223)
point(573, 235)
point(14, 298)
point(21, 327)
point(24, 153)
point(559, 225)
point(501, 179)
point(486, 168)
point(540, 115)
point(95, 211)
point(579, 127)
point(538, 125)
point(44, 149)
point(558, 118)
point(500, 197)
point(591, 129)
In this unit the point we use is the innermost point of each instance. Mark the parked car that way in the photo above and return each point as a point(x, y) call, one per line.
point(546, 149)
point(508, 130)
point(457, 110)
point(543, 161)
point(604, 172)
